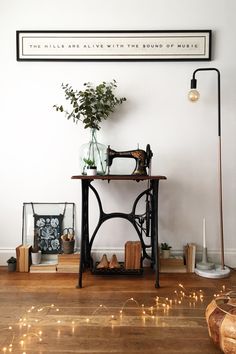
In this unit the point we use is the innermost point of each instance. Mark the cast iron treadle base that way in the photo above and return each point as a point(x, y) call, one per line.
point(116, 271)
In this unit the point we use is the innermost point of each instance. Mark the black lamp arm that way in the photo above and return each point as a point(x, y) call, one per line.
point(194, 86)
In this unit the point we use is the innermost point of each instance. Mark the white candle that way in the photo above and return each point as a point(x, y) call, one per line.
point(204, 232)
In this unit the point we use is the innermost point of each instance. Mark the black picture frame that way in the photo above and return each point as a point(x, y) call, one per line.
point(48, 231)
point(182, 45)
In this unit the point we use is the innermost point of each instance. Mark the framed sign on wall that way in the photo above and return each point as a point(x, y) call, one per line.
point(113, 45)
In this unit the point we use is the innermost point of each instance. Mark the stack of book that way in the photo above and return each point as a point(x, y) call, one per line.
point(133, 253)
point(23, 259)
point(68, 263)
point(173, 264)
point(190, 257)
point(44, 267)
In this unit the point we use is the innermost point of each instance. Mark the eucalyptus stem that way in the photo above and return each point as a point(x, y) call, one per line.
point(99, 154)
point(92, 105)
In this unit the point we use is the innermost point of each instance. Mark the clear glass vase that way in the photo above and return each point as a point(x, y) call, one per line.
point(93, 153)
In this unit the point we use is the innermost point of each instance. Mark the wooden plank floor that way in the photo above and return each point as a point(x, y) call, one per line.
point(90, 320)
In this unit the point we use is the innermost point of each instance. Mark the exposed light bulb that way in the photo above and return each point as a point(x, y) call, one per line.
point(193, 95)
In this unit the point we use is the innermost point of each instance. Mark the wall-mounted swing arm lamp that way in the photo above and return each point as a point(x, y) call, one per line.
point(193, 96)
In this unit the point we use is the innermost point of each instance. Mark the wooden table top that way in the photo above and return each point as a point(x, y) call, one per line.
point(119, 177)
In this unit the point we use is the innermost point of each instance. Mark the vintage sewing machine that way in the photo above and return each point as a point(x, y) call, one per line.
point(143, 159)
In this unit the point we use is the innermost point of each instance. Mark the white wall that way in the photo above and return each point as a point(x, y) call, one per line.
point(39, 147)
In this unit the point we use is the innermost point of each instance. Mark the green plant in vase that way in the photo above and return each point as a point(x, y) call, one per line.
point(165, 250)
point(11, 264)
point(90, 167)
point(91, 106)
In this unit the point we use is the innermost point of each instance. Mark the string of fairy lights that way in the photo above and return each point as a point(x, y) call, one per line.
point(29, 327)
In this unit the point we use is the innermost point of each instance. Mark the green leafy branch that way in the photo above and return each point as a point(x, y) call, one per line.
point(92, 105)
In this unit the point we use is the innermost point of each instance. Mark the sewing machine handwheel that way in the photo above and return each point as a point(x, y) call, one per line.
point(149, 154)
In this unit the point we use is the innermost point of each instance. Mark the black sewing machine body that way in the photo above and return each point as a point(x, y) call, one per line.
point(142, 158)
